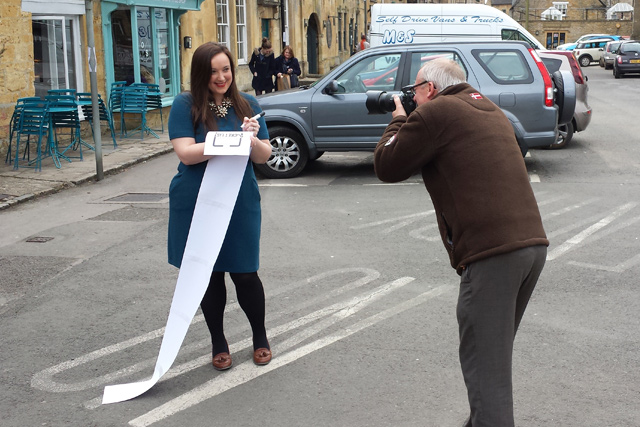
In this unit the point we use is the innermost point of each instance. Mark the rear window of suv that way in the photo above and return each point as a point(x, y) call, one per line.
point(504, 66)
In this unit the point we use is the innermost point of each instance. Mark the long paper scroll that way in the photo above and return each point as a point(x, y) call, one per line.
point(216, 199)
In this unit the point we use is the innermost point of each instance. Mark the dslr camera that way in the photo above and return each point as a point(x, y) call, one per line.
point(381, 102)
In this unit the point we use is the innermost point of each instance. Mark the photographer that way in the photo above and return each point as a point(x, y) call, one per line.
point(487, 214)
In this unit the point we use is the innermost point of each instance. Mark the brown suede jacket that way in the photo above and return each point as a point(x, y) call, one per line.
point(473, 170)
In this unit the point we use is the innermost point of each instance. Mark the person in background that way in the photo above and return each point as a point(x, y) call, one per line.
point(287, 64)
point(487, 215)
point(364, 44)
point(263, 68)
point(215, 103)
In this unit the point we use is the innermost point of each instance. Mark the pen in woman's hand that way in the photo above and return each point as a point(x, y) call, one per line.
point(256, 117)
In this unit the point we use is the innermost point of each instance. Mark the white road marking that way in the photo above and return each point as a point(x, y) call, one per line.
point(402, 221)
point(246, 371)
point(280, 184)
point(44, 380)
point(619, 268)
point(576, 240)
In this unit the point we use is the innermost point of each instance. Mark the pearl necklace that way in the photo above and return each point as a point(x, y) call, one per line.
point(222, 109)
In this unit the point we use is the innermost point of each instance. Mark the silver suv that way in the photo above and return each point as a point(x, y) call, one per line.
point(330, 115)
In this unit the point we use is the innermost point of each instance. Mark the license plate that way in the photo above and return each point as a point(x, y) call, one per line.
point(634, 61)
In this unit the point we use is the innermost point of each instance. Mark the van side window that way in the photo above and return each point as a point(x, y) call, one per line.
point(418, 59)
point(508, 34)
point(504, 66)
point(378, 72)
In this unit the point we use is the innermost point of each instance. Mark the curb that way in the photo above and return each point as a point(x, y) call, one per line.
point(88, 178)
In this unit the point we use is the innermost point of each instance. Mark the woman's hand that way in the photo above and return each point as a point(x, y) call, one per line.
point(251, 125)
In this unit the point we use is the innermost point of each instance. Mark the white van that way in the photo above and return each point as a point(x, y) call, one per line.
point(443, 22)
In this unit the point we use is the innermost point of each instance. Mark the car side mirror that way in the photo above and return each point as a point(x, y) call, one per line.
point(331, 88)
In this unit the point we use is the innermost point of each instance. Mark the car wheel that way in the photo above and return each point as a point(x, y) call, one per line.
point(616, 73)
point(289, 154)
point(601, 62)
point(585, 60)
point(565, 134)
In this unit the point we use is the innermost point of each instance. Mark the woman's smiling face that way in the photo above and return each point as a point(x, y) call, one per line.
point(221, 76)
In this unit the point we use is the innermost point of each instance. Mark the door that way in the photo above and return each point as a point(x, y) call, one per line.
point(341, 118)
point(312, 45)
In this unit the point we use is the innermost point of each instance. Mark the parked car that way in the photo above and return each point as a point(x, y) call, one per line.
point(572, 46)
point(331, 115)
point(556, 60)
point(609, 54)
point(628, 59)
point(590, 51)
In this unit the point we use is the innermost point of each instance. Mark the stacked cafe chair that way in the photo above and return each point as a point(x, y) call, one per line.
point(14, 124)
point(85, 102)
point(33, 121)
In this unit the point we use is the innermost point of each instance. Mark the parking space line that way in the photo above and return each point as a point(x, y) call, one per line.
point(576, 240)
point(246, 371)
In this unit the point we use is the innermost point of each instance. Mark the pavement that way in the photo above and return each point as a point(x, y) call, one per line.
point(19, 186)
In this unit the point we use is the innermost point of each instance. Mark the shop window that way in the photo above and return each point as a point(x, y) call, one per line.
point(241, 24)
point(222, 12)
point(153, 47)
point(55, 54)
point(554, 39)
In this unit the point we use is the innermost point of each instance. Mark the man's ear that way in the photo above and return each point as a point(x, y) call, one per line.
point(432, 91)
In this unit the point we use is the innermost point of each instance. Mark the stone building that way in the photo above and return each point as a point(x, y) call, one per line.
point(43, 44)
point(559, 22)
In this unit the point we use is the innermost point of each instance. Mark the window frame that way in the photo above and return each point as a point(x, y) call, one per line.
point(222, 26)
point(241, 32)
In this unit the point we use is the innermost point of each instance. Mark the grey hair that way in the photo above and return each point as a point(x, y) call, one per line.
point(443, 72)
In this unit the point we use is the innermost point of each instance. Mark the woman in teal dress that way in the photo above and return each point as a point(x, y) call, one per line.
point(215, 103)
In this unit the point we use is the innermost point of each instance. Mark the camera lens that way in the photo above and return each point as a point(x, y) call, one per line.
point(379, 102)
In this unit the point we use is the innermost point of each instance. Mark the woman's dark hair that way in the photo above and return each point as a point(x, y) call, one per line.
point(200, 78)
point(266, 44)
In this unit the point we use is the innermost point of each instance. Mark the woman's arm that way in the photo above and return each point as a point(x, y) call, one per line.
point(296, 67)
point(261, 150)
point(188, 151)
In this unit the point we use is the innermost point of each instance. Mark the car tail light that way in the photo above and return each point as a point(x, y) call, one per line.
point(548, 86)
point(575, 67)
point(619, 59)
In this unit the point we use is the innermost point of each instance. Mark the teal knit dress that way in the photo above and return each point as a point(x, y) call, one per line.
point(240, 250)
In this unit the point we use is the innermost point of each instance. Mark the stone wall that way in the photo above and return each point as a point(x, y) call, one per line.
point(16, 63)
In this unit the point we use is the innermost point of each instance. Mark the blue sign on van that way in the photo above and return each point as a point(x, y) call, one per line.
point(393, 37)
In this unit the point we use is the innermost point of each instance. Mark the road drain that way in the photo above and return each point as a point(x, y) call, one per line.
point(139, 198)
point(39, 239)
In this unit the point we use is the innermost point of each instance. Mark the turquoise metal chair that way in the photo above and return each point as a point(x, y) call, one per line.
point(134, 101)
point(154, 100)
point(115, 102)
point(84, 100)
point(63, 111)
point(14, 123)
point(33, 121)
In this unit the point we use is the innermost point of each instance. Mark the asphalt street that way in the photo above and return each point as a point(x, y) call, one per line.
point(360, 298)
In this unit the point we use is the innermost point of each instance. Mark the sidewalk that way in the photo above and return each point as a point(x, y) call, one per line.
point(17, 186)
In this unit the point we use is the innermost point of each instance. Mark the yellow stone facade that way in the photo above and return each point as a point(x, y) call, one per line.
point(328, 18)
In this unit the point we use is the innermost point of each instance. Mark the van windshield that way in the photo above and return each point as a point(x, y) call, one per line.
point(508, 34)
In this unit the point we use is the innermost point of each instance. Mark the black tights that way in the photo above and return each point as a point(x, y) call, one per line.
point(251, 299)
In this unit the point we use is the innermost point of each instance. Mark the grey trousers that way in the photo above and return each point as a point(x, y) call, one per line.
point(494, 293)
